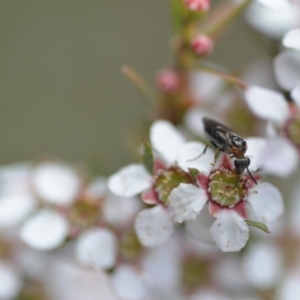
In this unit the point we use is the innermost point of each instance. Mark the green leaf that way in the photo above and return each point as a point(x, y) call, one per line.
point(258, 225)
point(148, 157)
point(194, 172)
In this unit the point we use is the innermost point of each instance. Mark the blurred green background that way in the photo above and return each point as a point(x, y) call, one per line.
point(61, 89)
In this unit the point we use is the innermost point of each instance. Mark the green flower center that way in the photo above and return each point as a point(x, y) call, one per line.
point(167, 180)
point(293, 130)
point(130, 246)
point(84, 213)
point(226, 188)
point(194, 273)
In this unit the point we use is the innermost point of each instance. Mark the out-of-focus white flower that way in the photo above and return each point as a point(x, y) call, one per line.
point(67, 281)
point(289, 289)
point(161, 266)
point(11, 283)
point(280, 156)
point(286, 69)
point(209, 294)
point(262, 265)
point(292, 39)
point(97, 247)
point(120, 211)
point(273, 17)
point(153, 226)
point(128, 283)
point(55, 183)
point(16, 198)
point(14, 207)
point(46, 230)
point(228, 202)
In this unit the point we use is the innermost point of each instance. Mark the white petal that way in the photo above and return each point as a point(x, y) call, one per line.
point(120, 211)
point(189, 151)
point(270, 22)
point(296, 94)
point(292, 39)
point(14, 207)
point(55, 183)
point(267, 104)
point(199, 228)
point(97, 188)
point(206, 294)
point(128, 283)
point(153, 226)
point(162, 266)
point(280, 157)
point(286, 67)
point(290, 287)
point(165, 139)
point(256, 147)
point(230, 231)
point(186, 202)
point(97, 247)
point(67, 281)
point(282, 6)
point(193, 120)
point(11, 282)
point(46, 230)
point(267, 203)
point(268, 256)
point(130, 180)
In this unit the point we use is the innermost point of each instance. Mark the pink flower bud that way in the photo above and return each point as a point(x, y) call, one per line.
point(168, 81)
point(202, 45)
point(197, 5)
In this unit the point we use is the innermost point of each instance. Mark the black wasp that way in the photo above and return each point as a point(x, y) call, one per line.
point(225, 140)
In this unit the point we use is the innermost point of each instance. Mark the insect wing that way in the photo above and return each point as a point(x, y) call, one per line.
point(217, 133)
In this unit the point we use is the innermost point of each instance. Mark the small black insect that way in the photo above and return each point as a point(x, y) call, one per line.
point(225, 140)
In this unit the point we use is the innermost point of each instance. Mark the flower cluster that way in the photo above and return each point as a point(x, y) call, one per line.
point(162, 229)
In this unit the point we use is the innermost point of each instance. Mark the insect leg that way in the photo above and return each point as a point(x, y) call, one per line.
point(217, 152)
point(206, 146)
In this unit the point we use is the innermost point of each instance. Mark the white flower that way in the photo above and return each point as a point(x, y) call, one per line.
point(134, 179)
point(55, 183)
point(292, 39)
point(46, 230)
point(153, 226)
point(97, 247)
point(229, 205)
point(280, 156)
point(128, 283)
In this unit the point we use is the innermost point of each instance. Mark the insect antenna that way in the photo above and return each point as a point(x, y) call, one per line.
point(251, 176)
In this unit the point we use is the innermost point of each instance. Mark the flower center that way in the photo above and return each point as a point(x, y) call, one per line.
point(167, 180)
point(130, 246)
point(226, 188)
point(293, 130)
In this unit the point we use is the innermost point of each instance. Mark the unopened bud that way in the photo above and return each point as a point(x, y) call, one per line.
point(168, 81)
point(202, 45)
point(197, 5)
